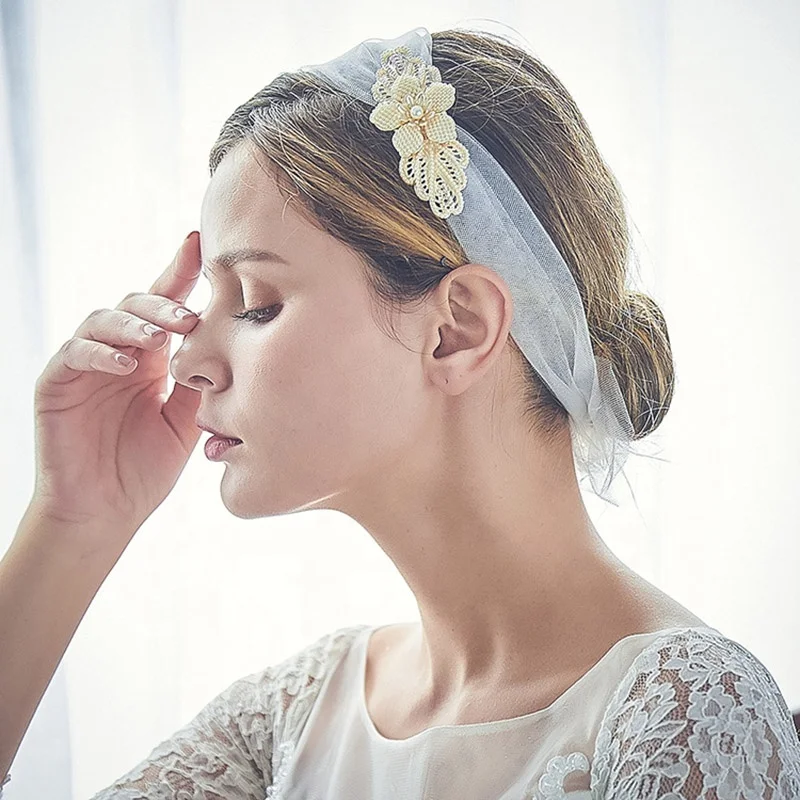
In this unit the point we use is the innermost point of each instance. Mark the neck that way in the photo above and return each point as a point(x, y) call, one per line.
point(498, 549)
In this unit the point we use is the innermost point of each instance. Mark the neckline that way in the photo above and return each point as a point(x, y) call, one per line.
point(497, 724)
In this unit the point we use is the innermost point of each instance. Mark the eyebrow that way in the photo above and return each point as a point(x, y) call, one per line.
point(227, 261)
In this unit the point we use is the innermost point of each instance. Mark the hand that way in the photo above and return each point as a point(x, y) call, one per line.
point(109, 449)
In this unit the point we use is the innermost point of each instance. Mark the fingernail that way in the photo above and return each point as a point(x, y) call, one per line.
point(180, 313)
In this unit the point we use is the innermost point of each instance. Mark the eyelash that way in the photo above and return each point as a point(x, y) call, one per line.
point(256, 315)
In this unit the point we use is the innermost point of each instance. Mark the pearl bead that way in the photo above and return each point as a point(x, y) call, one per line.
point(417, 111)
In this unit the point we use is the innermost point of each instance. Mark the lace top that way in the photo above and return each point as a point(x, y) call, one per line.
point(680, 714)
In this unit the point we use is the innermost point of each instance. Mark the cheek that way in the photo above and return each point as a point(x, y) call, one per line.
point(336, 395)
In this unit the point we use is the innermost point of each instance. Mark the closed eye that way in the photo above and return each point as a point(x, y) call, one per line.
point(257, 315)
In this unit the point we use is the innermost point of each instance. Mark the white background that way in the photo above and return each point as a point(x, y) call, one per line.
point(107, 114)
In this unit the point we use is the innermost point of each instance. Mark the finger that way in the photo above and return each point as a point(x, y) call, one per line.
point(180, 411)
point(133, 314)
point(115, 328)
point(82, 355)
point(179, 278)
point(122, 328)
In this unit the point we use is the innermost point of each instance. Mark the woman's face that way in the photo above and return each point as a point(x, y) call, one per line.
point(322, 398)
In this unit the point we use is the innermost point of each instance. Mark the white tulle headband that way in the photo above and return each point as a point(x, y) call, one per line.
point(463, 184)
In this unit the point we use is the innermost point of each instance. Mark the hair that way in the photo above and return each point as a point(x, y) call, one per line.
point(322, 149)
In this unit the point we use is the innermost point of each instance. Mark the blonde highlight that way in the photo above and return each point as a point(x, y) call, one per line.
point(322, 150)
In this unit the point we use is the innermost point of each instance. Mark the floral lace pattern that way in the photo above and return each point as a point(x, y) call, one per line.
point(226, 752)
point(696, 717)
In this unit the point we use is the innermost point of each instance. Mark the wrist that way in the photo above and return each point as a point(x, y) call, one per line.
point(69, 538)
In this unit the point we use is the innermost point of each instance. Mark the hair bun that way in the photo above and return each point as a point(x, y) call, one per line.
point(640, 352)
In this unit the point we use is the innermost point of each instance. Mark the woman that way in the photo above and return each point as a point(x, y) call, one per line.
point(344, 363)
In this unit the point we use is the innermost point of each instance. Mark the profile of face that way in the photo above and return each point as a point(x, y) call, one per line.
point(323, 399)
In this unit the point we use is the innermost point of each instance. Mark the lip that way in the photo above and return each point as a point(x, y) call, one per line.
point(214, 431)
point(216, 447)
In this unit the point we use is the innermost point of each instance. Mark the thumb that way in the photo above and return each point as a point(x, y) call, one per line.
point(180, 411)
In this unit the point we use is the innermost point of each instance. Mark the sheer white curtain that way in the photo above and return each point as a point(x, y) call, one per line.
point(44, 765)
point(108, 113)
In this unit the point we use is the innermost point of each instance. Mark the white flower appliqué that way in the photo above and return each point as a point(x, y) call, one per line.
point(413, 102)
point(551, 783)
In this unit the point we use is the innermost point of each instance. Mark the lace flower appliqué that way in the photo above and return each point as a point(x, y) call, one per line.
point(551, 784)
point(413, 102)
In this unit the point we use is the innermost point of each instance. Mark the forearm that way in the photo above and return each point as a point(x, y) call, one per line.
point(47, 582)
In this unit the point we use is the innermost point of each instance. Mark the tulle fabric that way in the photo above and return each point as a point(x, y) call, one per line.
point(497, 228)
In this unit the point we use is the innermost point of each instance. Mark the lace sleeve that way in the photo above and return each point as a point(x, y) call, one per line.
point(697, 717)
point(246, 735)
point(224, 753)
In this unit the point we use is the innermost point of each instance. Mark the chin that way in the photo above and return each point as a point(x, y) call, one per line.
point(243, 501)
point(252, 501)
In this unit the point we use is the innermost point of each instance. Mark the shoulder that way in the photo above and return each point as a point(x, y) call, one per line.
point(311, 663)
point(289, 687)
point(269, 707)
point(233, 747)
point(272, 700)
point(696, 715)
point(299, 673)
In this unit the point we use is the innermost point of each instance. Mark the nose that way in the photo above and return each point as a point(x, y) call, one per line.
point(184, 376)
point(194, 364)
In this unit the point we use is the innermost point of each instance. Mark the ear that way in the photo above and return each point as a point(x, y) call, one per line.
point(469, 329)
